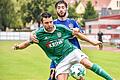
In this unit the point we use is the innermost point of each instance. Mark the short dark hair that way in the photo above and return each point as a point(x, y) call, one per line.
point(61, 2)
point(45, 15)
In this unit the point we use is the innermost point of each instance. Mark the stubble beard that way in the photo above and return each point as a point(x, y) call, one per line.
point(61, 15)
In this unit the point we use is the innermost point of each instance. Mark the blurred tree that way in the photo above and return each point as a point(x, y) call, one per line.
point(72, 12)
point(90, 12)
point(16, 13)
point(34, 8)
point(10, 14)
point(72, 9)
point(6, 12)
point(17, 21)
point(52, 10)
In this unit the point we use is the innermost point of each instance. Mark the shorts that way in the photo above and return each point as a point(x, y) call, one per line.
point(74, 57)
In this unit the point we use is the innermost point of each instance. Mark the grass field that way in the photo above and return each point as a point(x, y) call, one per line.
point(32, 64)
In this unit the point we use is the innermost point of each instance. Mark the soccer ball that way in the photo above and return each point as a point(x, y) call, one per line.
point(77, 71)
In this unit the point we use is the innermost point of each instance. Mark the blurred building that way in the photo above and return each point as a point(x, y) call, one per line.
point(106, 24)
point(103, 7)
point(71, 1)
point(108, 21)
point(109, 25)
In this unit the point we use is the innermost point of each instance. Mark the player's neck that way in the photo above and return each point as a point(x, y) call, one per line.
point(62, 18)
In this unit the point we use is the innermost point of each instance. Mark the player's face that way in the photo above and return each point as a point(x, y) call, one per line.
point(61, 10)
point(48, 24)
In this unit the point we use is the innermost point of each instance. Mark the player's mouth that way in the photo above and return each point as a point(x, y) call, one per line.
point(62, 13)
point(50, 29)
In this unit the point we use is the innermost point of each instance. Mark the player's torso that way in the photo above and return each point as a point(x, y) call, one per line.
point(55, 44)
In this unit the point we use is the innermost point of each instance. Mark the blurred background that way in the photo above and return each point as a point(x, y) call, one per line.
point(19, 17)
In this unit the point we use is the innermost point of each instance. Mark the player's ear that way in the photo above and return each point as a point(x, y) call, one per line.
point(67, 8)
point(67, 13)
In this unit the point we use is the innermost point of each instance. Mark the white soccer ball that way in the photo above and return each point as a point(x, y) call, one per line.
point(77, 71)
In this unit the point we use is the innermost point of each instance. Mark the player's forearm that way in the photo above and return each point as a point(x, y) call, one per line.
point(22, 45)
point(83, 37)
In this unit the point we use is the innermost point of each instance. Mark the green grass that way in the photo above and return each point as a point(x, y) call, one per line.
point(32, 64)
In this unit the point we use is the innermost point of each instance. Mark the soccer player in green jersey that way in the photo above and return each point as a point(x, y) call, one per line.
point(53, 39)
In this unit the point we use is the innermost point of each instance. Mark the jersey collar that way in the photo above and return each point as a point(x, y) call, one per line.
point(51, 31)
point(62, 19)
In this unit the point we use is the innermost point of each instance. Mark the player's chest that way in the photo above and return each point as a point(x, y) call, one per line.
point(45, 37)
point(52, 40)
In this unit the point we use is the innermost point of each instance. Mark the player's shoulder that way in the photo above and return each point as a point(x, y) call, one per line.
point(55, 21)
point(39, 30)
point(71, 19)
point(59, 25)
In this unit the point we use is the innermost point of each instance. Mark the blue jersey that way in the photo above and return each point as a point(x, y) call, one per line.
point(69, 23)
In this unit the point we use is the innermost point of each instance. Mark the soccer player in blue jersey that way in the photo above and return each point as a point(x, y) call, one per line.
point(53, 39)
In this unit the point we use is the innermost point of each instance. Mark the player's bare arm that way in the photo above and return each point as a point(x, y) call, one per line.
point(22, 45)
point(83, 37)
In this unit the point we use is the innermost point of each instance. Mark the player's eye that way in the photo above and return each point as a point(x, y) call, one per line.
point(50, 21)
point(63, 7)
point(58, 7)
point(46, 22)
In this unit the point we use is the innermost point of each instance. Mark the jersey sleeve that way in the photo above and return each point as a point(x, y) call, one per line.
point(67, 31)
point(38, 34)
point(76, 25)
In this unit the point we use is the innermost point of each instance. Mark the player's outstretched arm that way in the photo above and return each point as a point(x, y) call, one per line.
point(83, 37)
point(21, 45)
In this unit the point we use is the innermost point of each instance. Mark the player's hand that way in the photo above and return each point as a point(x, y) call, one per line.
point(82, 78)
point(75, 30)
point(33, 38)
point(15, 47)
point(100, 44)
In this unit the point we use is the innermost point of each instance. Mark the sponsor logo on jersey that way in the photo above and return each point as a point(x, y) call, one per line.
point(59, 34)
point(54, 43)
point(71, 25)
